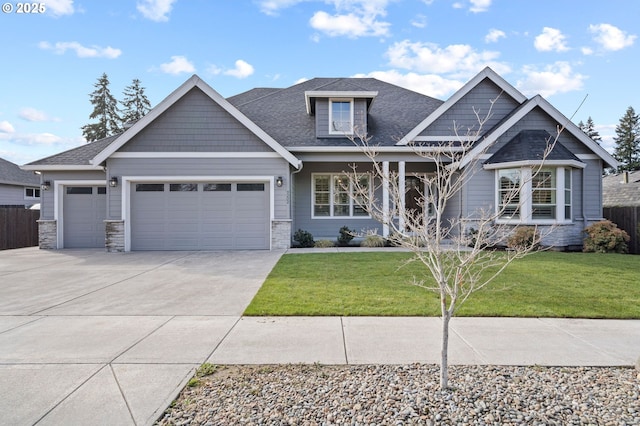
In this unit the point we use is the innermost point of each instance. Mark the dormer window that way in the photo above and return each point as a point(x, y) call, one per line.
point(341, 116)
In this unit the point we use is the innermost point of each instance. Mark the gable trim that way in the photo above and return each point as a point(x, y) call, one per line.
point(539, 101)
point(530, 163)
point(192, 82)
point(61, 167)
point(464, 90)
point(180, 154)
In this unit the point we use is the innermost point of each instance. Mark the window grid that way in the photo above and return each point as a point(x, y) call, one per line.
point(335, 196)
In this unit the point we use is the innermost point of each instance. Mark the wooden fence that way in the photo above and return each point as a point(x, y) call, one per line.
point(18, 227)
point(626, 218)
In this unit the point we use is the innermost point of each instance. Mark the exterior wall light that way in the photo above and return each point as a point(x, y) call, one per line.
point(279, 181)
point(45, 185)
point(113, 182)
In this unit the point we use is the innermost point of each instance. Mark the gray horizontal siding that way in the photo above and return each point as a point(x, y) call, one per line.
point(195, 123)
point(593, 189)
point(478, 194)
point(46, 206)
point(200, 167)
point(13, 195)
point(462, 115)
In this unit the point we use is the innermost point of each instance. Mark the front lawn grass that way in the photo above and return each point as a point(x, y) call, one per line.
point(547, 284)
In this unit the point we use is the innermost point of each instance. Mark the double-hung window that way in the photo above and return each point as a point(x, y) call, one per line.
point(334, 195)
point(341, 116)
point(534, 195)
point(31, 193)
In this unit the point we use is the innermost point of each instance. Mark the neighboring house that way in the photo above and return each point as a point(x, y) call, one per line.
point(18, 187)
point(621, 190)
point(201, 172)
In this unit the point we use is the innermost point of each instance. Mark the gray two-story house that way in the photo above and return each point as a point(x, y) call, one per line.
point(201, 172)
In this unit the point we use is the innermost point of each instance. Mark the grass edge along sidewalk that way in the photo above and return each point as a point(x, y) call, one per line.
point(547, 284)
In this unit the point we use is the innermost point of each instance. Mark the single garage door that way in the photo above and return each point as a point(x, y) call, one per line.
point(84, 211)
point(200, 216)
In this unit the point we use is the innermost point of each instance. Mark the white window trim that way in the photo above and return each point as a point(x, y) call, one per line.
point(526, 199)
point(331, 193)
point(31, 198)
point(340, 132)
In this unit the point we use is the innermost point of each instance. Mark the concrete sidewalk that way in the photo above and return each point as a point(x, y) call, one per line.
point(88, 337)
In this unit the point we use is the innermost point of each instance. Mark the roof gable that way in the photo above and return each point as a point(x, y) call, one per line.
point(564, 123)
point(486, 74)
point(175, 96)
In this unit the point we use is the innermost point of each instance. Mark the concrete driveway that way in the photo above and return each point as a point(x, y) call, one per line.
point(88, 337)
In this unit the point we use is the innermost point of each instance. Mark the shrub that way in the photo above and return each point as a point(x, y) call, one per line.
point(524, 237)
point(304, 238)
point(345, 237)
point(373, 240)
point(324, 244)
point(605, 237)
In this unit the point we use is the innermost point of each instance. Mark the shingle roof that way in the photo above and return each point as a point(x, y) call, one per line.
point(11, 174)
point(617, 192)
point(282, 113)
point(79, 156)
point(530, 145)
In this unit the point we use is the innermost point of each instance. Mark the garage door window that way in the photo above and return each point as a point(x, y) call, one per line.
point(149, 187)
point(183, 187)
point(79, 190)
point(250, 187)
point(217, 187)
point(102, 190)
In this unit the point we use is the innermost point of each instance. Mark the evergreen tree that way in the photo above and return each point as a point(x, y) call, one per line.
point(627, 139)
point(105, 110)
point(135, 103)
point(590, 130)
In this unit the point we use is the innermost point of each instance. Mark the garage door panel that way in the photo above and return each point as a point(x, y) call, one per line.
point(84, 212)
point(205, 217)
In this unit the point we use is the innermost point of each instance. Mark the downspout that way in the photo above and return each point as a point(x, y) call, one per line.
point(291, 210)
point(584, 202)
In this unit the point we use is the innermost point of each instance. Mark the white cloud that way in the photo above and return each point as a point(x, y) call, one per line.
point(272, 7)
point(420, 21)
point(457, 60)
point(610, 37)
point(6, 127)
point(427, 84)
point(242, 69)
point(60, 7)
point(32, 138)
point(155, 10)
point(178, 65)
point(494, 35)
point(480, 5)
point(551, 39)
point(350, 25)
point(586, 51)
point(32, 114)
point(554, 78)
point(81, 51)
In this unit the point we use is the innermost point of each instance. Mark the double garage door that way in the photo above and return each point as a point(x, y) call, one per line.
point(200, 216)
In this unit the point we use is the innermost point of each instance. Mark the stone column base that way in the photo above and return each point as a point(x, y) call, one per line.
point(114, 236)
point(281, 234)
point(48, 234)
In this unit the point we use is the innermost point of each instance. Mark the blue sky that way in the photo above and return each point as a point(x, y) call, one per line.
point(565, 50)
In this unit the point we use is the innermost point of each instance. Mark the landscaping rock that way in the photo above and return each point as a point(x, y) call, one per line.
point(410, 394)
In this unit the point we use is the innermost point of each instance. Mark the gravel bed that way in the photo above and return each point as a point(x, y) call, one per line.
point(409, 395)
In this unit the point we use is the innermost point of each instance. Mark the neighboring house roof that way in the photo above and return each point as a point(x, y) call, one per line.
point(76, 158)
point(11, 174)
point(621, 189)
point(531, 146)
point(283, 113)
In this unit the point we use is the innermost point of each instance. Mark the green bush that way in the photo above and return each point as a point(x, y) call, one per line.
point(345, 237)
point(304, 238)
point(605, 237)
point(523, 238)
point(324, 244)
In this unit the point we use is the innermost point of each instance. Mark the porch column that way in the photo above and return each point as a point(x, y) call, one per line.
point(401, 189)
point(385, 198)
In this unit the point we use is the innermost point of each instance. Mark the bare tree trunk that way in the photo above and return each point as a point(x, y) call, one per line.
point(444, 354)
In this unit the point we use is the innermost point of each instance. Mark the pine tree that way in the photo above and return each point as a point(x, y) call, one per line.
point(627, 139)
point(105, 109)
point(590, 130)
point(135, 102)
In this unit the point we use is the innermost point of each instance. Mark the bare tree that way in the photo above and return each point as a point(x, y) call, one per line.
point(455, 250)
